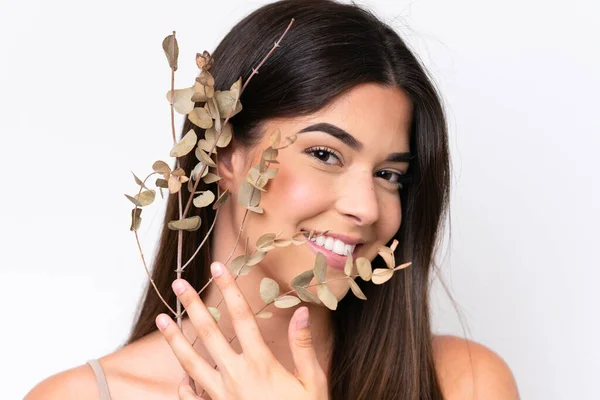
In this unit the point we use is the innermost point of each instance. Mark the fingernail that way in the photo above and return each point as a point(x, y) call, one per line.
point(303, 320)
point(217, 269)
point(178, 286)
point(162, 321)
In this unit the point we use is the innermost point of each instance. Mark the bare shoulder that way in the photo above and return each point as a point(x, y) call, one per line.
point(74, 383)
point(470, 370)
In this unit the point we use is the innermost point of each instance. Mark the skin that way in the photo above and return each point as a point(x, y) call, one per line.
point(344, 196)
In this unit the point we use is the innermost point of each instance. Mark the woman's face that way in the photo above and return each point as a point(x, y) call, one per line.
point(337, 176)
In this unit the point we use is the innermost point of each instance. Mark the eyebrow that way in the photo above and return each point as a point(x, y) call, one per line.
point(351, 141)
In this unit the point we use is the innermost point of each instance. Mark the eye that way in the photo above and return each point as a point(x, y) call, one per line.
point(324, 155)
point(395, 178)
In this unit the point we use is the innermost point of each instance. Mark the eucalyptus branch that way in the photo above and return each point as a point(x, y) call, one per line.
point(254, 71)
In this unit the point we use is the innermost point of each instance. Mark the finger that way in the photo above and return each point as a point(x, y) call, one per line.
point(204, 324)
point(308, 369)
point(185, 391)
point(242, 317)
point(193, 364)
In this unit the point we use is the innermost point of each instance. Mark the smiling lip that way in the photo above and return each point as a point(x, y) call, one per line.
point(334, 260)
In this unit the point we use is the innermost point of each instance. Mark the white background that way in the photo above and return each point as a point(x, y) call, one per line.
point(83, 103)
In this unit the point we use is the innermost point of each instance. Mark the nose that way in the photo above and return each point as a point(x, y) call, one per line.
point(357, 198)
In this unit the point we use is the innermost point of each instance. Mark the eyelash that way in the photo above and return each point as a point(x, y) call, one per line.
point(403, 179)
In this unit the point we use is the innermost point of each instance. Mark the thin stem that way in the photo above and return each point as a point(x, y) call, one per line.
point(203, 241)
point(137, 239)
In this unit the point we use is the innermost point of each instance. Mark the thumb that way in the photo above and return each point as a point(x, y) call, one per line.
point(308, 370)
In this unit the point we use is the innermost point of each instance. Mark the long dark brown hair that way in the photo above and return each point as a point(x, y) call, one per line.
point(382, 346)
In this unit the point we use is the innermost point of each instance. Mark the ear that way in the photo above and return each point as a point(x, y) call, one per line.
point(230, 165)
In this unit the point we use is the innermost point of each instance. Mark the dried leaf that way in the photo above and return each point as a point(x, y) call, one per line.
point(349, 267)
point(265, 242)
point(216, 314)
point(213, 110)
point(286, 301)
point(282, 242)
point(210, 177)
point(363, 265)
point(202, 92)
point(146, 197)
point(174, 184)
point(264, 314)
point(303, 279)
point(204, 199)
point(270, 154)
point(186, 224)
point(200, 117)
point(275, 138)
point(171, 49)
point(162, 168)
point(202, 156)
point(326, 296)
point(256, 179)
point(269, 290)
point(270, 173)
point(221, 200)
point(256, 257)
point(236, 88)
point(307, 296)
point(237, 264)
point(381, 275)
point(185, 145)
point(204, 61)
point(356, 289)
point(206, 79)
point(181, 99)
point(258, 210)
point(196, 171)
point(262, 166)
point(248, 195)
point(224, 139)
point(387, 255)
point(207, 146)
point(225, 100)
point(178, 172)
point(133, 200)
point(286, 142)
point(138, 181)
point(136, 219)
point(162, 183)
point(320, 267)
point(402, 266)
point(394, 245)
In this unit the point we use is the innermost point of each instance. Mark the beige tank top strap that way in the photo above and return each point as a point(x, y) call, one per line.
point(100, 379)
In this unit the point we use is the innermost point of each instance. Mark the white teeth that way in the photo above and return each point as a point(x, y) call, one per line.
point(334, 245)
point(339, 247)
point(329, 243)
point(320, 240)
point(349, 249)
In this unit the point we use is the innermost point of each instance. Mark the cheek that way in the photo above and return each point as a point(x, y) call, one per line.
point(390, 218)
point(293, 195)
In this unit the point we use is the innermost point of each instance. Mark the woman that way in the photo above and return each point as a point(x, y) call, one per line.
point(370, 165)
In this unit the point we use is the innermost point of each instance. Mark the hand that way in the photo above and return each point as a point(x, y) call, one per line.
point(254, 374)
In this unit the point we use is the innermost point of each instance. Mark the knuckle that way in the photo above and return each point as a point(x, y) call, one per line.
point(304, 340)
point(205, 331)
point(240, 313)
point(186, 298)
